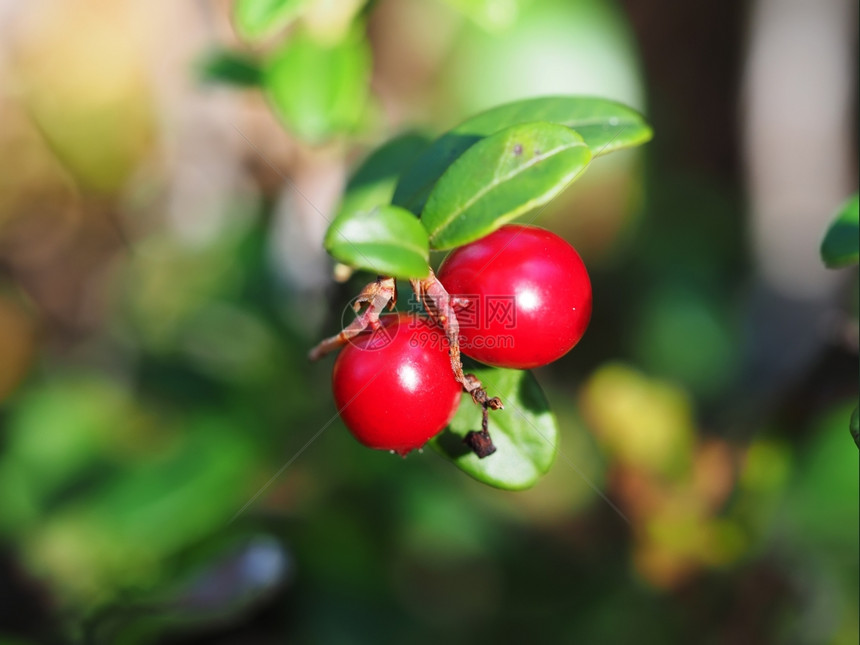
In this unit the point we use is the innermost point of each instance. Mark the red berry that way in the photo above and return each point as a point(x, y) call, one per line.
point(394, 387)
point(525, 296)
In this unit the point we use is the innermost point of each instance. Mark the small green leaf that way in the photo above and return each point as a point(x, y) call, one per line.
point(319, 90)
point(505, 175)
point(604, 125)
point(372, 184)
point(387, 241)
point(230, 68)
point(256, 20)
point(841, 245)
point(525, 433)
point(854, 425)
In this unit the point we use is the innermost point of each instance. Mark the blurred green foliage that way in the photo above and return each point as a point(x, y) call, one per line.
point(841, 246)
point(258, 19)
point(172, 468)
point(319, 89)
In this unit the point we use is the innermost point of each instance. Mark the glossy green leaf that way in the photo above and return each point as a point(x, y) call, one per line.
point(501, 177)
point(854, 426)
point(257, 19)
point(841, 245)
point(372, 184)
point(387, 241)
point(230, 68)
point(525, 433)
point(319, 90)
point(604, 126)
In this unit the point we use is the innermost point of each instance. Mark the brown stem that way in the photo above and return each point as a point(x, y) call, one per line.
point(375, 297)
point(439, 305)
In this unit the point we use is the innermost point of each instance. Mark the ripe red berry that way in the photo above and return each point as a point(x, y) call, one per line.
point(394, 387)
point(525, 296)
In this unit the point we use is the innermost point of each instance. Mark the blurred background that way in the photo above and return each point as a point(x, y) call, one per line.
point(171, 466)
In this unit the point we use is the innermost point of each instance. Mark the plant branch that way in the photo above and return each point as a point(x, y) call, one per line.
point(439, 305)
point(374, 298)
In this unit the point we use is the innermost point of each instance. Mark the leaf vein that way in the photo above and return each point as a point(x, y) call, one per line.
point(499, 180)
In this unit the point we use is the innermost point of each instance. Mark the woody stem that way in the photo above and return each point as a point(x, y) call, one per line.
point(374, 298)
point(438, 303)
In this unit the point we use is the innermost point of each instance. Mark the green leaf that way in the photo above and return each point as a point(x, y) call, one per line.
point(230, 68)
point(525, 433)
point(387, 240)
point(854, 426)
point(372, 184)
point(256, 20)
point(317, 89)
point(841, 245)
point(604, 125)
point(501, 177)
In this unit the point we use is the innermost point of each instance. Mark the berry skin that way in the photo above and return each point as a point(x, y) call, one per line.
point(394, 388)
point(525, 296)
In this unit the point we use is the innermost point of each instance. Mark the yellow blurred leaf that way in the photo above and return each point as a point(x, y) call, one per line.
point(84, 81)
point(17, 345)
point(640, 421)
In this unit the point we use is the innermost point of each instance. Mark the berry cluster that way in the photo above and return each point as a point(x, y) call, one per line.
point(398, 378)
